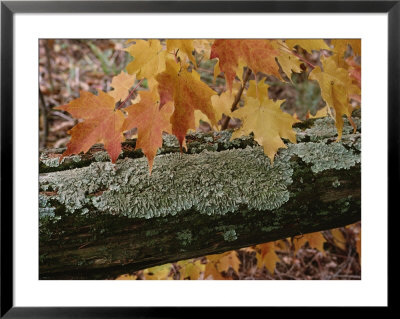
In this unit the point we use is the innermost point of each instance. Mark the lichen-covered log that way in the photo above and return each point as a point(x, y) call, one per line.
point(98, 220)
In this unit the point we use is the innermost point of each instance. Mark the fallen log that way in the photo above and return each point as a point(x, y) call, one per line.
point(99, 220)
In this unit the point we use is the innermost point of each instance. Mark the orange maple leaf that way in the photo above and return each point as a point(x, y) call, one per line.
point(150, 121)
point(102, 124)
point(258, 55)
point(266, 256)
point(188, 94)
point(315, 240)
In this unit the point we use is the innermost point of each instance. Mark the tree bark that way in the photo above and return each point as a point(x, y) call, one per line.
point(99, 220)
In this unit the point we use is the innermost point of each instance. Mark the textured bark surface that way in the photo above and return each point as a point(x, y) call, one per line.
point(319, 184)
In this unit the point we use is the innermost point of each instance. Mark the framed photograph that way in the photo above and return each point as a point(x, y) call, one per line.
point(196, 153)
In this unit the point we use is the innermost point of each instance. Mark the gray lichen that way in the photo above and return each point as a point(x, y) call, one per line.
point(324, 156)
point(209, 182)
point(230, 235)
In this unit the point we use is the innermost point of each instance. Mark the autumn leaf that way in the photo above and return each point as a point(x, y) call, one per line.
point(287, 60)
point(102, 124)
point(315, 240)
point(188, 94)
point(217, 71)
point(121, 84)
point(149, 58)
point(212, 271)
point(185, 49)
point(258, 55)
point(126, 277)
point(191, 269)
point(266, 120)
point(258, 90)
point(266, 256)
point(340, 46)
point(228, 260)
point(223, 103)
point(158, 272)
point(336, 85)
point(308, 44)
point(203, 46)
point(338, 238)
point(150, 121)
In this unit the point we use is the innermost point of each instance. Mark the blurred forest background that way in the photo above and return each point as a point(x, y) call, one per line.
point(67, 66)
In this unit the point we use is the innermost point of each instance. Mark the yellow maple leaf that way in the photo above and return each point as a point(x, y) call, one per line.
point(288, 61)
point(228, 260)
point(191, 269)
point(185, 47)
point(315, 240)
point(211, 271)
point(149, 58)
point(340, 46)
point(266, 256)
point(266, 120)
point(338, 238)
point(203, 46)
point(158, 272)
point(258, 90)
point(308, 44)
point(336, 85)
point(126, 277)
point(222, 104)
point(217, 70)
point(121, 84)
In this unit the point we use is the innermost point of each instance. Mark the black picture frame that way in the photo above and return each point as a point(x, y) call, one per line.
point(9, 8)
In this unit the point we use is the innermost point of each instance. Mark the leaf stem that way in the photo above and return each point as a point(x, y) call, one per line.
point(129, 96)
point(225, 122)
point(297, 55)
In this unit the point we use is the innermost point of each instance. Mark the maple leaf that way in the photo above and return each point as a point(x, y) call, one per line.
point(258, 55)
point(266, 120)
point(222, 104)
point(150, 121)
point(102, 124)
point(315, 240)
point(266, 256)
point(287, 60)
point(308, 44)
point(212, 271)
point(185, 48)
point(338, 238)
point(191, 269)
point(188, 94)
point(340, 46)
point(121, 84)
point(158, 272)
point(336, 86)
point(200, 116)
point(203, 46)
point(126, 277)
point(149, 58)
point(228, 260)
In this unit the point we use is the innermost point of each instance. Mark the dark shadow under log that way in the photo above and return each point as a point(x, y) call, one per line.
point(94, 223)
